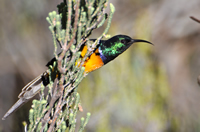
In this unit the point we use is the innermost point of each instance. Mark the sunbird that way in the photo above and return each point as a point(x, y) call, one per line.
point(106, 51)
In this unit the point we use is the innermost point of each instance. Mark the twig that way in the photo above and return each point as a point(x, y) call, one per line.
point(195, 19)
point(53, 100)
point(65, 48)
point(58, 107)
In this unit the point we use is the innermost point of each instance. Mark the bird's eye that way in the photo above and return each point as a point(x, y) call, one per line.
point(123, 41)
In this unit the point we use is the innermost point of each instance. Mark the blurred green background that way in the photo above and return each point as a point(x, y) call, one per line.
point(146, 89)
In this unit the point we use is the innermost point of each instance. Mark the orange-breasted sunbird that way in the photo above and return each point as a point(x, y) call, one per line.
point(106, 51)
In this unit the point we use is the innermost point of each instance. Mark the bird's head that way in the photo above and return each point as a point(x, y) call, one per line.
point(117, 45)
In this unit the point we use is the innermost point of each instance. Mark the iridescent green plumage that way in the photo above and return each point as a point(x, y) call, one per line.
point(116, 45)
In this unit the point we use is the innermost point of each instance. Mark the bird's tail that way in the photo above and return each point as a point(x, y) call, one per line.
point(28, 92)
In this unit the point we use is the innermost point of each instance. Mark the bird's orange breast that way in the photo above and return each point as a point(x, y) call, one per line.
point(93, 62)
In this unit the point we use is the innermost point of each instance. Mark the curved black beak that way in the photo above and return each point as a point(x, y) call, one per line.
point(139, 40)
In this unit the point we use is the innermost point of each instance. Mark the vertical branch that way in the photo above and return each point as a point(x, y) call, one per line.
point(75, 23)
point(68, 20)
point(65, 46)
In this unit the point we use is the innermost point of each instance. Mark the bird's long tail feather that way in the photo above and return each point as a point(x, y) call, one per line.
point(28, 92)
